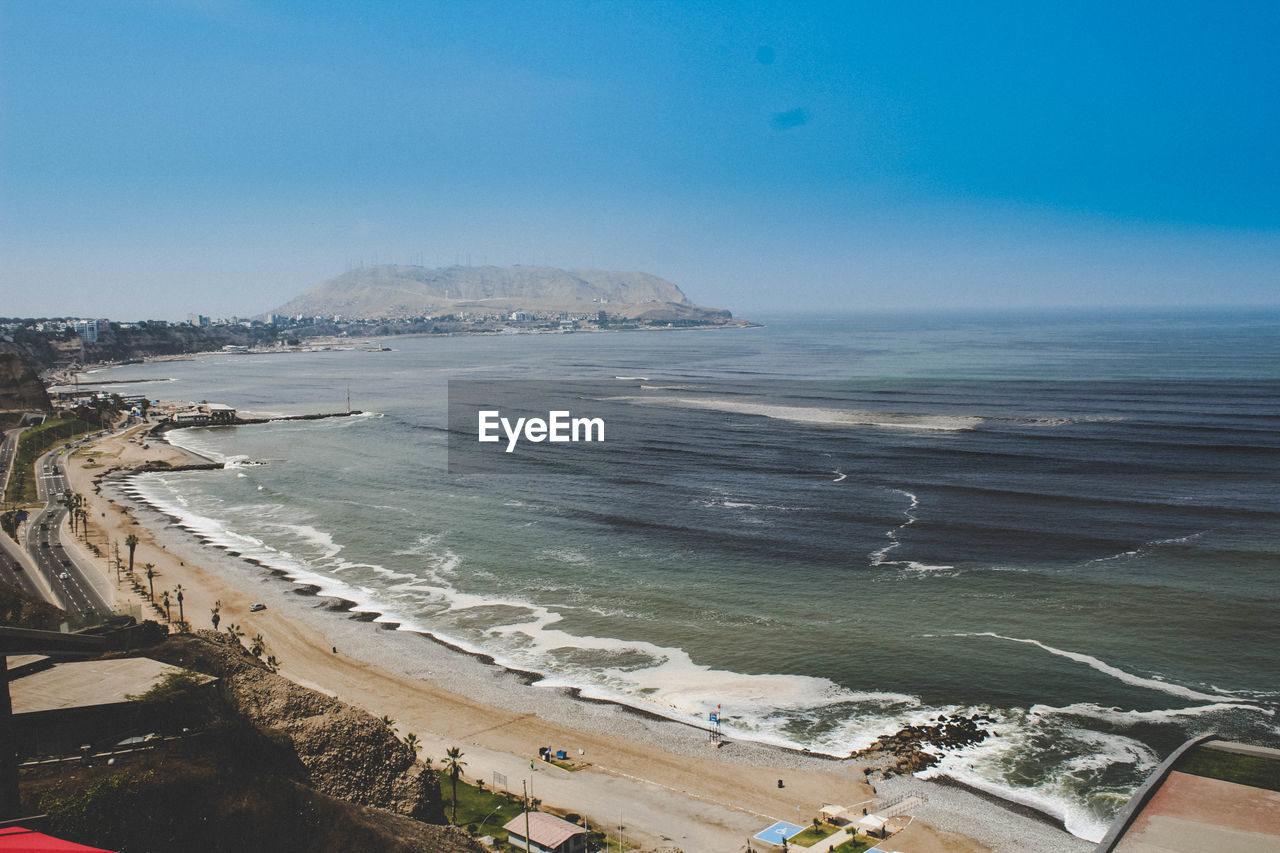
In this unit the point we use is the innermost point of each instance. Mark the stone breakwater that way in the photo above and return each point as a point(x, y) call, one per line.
point(905, 751)
point(164, 426)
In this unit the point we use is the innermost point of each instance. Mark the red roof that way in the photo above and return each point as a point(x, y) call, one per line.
point(15, 839)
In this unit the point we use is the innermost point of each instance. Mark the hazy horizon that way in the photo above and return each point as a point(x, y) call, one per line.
point(158, 159)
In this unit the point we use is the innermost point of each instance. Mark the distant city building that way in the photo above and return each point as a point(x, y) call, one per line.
point(198, 320)
point(87, 330)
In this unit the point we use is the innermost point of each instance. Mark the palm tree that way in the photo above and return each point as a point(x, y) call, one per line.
point(411, 741)
point(272, 663)
point(151, 573)
point(257, 646)
point(389, 723)
point(234, 630)
point(453, 765)
point(215, 615)
point(182, 620)
point(164, 598)
point(131, 542)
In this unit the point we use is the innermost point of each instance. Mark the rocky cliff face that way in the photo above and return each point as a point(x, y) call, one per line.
point(348, 754)
point(410, 291)
point(20, 387)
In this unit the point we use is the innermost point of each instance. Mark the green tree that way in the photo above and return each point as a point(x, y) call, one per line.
point(164, 599)
point(234, 630)
point(257, 646)
point(182, 619)
point(411, 741)
point(389, 723)
point(453, 765)
point(131, 542)
point(215, 615)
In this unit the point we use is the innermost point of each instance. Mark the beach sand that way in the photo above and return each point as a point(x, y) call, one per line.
point(667, 785)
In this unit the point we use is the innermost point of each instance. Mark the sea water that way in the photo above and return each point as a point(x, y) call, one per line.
point(1067, 521)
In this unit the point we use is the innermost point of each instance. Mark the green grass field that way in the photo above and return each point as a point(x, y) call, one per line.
point(812, 835)
point(483, 812)
point(1231, 767)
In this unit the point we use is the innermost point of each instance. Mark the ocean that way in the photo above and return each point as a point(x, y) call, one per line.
point(1069, 521)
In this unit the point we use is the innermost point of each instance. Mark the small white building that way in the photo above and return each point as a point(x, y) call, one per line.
point(547, 834)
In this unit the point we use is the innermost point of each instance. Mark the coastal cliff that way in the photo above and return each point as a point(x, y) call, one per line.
point(265, 764)
point(347, 753)
point(20, 387)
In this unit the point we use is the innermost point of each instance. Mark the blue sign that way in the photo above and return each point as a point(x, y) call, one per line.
point(715, 717)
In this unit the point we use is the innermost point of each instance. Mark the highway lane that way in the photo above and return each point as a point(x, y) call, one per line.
point(44, 543)
point(14, 565)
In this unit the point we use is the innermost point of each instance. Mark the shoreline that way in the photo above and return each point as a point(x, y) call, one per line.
point(499, 713)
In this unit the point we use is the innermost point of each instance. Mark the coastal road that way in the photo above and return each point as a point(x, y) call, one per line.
point(56, 566)
point(16, 568)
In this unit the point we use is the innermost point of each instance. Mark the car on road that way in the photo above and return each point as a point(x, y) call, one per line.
point(65, 562)
point(257, 607)
point(65, 576)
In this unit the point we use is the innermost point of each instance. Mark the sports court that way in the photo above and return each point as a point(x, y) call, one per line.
point(779, 832)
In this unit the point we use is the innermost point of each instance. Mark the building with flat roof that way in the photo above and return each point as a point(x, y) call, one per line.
point(547, 834)
point(60, 707)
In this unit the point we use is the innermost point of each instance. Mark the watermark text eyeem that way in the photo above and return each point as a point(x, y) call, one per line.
point(559, 427)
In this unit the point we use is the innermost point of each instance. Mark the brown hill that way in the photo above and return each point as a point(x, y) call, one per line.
point(411, 291)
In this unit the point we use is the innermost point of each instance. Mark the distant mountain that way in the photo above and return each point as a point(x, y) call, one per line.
point(410, 291)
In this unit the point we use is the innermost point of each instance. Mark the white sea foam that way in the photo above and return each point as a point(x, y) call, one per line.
point(1114, 671)
point(1146, 547)
point(881, 557)
point(985, 766)
point(1066, 420)
point(1118, 716)
point(816, 415)
point(732, 504)
point(840, 476)
point(572, 556)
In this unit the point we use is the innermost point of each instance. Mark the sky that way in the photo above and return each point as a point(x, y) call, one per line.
point(223, 156)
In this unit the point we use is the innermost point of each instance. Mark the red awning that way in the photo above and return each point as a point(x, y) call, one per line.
point(15, 839)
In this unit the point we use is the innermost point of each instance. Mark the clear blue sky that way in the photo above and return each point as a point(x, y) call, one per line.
point(164, 157)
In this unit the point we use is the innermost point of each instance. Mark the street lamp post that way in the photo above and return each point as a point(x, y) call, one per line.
point(496, 809)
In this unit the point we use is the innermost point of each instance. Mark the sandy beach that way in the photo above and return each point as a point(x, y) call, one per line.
point(664, 782)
